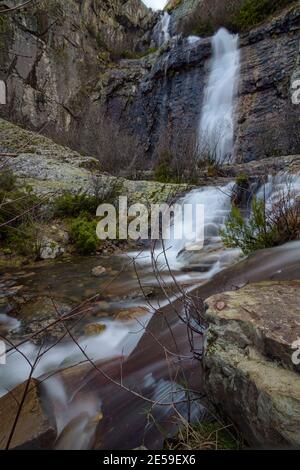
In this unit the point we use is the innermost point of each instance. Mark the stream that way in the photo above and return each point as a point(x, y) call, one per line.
point(142, 358)
point(123, 371)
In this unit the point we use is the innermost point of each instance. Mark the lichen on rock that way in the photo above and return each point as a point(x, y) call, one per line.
point(249, 371)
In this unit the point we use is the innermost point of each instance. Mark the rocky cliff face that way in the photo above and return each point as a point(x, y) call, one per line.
point(267, 120)
point(53, 53)
point(63, 77)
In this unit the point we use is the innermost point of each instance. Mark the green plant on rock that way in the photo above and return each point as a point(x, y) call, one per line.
point(7, 181)
point(207, 435)
point(26, 241)
point(73, 205)
point(163, 170)
point(17, 208)
point(242, 180)
point(255, 233)
point(83, 235)
point(129, 54)
point(204, 28)
point(254, 12)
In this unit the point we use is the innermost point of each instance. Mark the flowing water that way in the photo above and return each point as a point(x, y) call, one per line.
point(216, 130)
point(145, 353)
point(163, 29)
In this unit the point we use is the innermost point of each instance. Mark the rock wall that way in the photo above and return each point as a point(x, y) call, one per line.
point(266, 116)
point(52, 55)
point(62, 81)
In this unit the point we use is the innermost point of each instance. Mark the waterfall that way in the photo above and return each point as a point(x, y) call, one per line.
point(216, 130)
point(164, 29)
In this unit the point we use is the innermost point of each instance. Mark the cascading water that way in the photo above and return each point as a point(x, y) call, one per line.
point(216, 135)
point(164, 27)
point(216, 130)
point(277, 187)
point(190, 250)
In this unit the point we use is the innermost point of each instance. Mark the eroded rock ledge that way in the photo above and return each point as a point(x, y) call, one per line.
point(249, 372)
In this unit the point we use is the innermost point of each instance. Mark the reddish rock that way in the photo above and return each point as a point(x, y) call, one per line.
point(35, 428)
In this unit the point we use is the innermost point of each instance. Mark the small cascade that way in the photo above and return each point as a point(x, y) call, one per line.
point(193, 39)
point(164, 29)
point(278, 187)
point(216, 130)
point(165, 25)
point(192, 252)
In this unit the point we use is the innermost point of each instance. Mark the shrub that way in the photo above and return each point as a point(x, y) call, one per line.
point(83, 235)
point(163, 171)
point(242, 180)
point(251, 234)
point(254, 12)
point(203, 28)
point(177, 159)
point(267, 225)
point(208, 17)
point(7, 180)
point(73, 205)
point(19, 210)
point(26, 241)
point(16, 209)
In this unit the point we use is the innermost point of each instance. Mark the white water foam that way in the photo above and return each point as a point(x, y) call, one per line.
point(216, 130)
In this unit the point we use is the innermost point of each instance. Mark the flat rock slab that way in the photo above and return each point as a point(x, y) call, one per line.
point(249, 373)
point(268, 313)
point(35, 428)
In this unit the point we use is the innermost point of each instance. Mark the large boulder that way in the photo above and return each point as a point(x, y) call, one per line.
point(35, 427)
point(250, 362)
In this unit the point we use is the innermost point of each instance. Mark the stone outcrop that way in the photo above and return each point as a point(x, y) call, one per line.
point(51, 170)
point(251, 361)
point(63, 80)
point(267, 119)
point(52, 55)
point(35, 428)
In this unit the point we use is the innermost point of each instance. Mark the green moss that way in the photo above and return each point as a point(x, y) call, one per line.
point(103, 57)
point(235, 18)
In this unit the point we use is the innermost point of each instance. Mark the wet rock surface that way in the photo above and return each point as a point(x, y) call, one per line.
point(35, 428)
point(248, 366)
